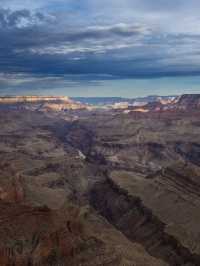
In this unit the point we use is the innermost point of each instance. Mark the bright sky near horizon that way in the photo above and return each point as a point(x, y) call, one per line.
point(99, 48)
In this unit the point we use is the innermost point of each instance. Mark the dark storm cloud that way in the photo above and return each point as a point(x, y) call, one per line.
point(134, 39)
point(23, 29)
point(35, 47)
point(11, 19)
point(20, 18)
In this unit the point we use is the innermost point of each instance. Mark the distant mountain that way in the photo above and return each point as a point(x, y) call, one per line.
point(40, 103)
point(32, 99)
point(102, 101)
point(152, 103)
point(99, 101)
point(188, 101)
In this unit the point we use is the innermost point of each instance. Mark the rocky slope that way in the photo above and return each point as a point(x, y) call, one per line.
point(104, 188)
point(46, 217)
point(155, 158)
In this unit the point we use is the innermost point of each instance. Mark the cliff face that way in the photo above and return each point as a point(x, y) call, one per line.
point(40, 103)
point(33, 99)
point(189, 101)
point(153, 158)
point(61, 103)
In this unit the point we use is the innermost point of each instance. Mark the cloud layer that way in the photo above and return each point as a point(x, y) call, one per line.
point(112, 39)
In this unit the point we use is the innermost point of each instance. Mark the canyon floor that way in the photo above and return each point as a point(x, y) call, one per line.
point(99, 188)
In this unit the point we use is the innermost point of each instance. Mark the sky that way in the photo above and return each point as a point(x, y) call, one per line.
point(99, 48)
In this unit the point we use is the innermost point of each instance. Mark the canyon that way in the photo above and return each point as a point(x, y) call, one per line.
point(94, 186)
